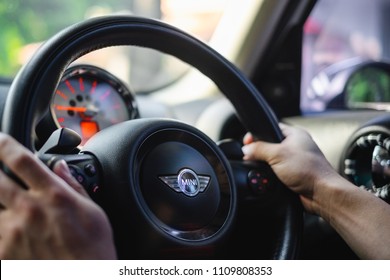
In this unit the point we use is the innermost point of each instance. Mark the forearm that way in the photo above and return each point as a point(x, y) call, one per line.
point(362, 219)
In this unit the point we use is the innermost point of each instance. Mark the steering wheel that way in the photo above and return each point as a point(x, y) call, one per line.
point(166, 187)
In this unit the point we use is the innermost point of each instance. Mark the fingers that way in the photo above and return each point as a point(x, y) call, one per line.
point(9, 190)
point(260, 151)
point(31, 171)
point(23, 163)
point(248, 138)
point(61, 169)
point(283, 126)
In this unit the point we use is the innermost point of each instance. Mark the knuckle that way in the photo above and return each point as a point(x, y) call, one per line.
point(30, 211)
point(11, 195)
point(5, 141)
point(58, 197)
point(23, 159)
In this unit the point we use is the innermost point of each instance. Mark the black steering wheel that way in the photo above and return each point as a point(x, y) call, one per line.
point(168, 190)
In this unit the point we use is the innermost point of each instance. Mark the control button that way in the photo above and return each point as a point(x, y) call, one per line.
point(90, 169)
point(258, 182)
point(95, 188)
point(80, 178)
point(77, 174)
point(73, 171)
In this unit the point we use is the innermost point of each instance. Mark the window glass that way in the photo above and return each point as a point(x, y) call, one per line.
point(338, 36)
point(25, 24)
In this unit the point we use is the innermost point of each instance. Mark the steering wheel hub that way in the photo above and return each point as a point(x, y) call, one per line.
point(175, 178)
point(184, 183)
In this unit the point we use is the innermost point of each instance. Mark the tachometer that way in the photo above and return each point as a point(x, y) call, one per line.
point(89, 99)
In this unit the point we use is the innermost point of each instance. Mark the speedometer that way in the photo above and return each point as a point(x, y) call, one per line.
point(89, 99)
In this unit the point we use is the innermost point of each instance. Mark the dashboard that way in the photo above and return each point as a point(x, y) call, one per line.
point(356, 141)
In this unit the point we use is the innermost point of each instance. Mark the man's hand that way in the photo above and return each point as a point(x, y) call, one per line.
point(362, 219)
point(53, 218)
point(297, 161)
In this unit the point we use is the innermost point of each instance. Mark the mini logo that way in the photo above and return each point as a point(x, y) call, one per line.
point(187, 182)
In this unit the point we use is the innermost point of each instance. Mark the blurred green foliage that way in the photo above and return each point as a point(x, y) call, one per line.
point(26, 21)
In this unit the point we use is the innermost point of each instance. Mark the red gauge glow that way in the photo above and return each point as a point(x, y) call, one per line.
point(88, 129)
point(89, 99)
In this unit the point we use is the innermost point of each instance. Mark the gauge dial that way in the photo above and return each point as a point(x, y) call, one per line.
point(89, 99)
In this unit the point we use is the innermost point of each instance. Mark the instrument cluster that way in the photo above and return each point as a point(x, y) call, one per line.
point(89, 99)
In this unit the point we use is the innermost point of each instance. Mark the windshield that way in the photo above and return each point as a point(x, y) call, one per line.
point(25, 24)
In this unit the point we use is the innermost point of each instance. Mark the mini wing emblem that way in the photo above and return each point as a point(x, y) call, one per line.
point(187, 182)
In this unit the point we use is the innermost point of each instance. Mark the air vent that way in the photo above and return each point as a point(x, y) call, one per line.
point(366, 161)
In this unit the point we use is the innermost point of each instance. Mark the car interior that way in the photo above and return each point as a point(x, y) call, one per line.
point(160, 152)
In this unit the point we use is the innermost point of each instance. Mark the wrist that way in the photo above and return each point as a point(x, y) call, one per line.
point(329, 192)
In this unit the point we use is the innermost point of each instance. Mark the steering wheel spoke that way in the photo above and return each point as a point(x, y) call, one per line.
point(83, 167)
point(255, 181)
point(62, 145)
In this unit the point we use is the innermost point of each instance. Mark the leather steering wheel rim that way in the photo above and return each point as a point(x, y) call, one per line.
point(31, 91)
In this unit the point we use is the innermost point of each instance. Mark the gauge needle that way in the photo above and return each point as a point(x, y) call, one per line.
point(89, 111)
point(71, 108)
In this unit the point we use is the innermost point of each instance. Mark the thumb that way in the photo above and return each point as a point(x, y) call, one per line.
point(61, 169)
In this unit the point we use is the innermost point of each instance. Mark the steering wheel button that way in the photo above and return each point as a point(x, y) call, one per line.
point(80, 178)
point(72, 170)
point(90, 170)
point(257, 182)
point(95, 188)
